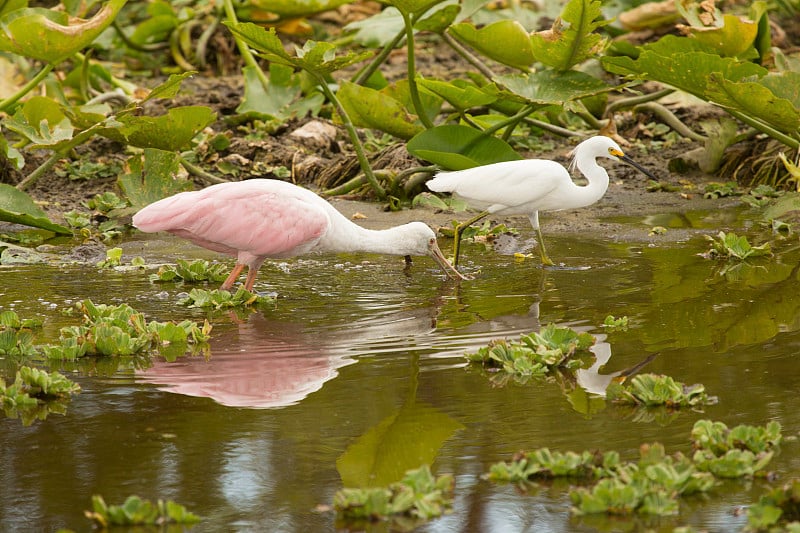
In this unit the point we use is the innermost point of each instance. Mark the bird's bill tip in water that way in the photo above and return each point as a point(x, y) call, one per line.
point(449, 269)
point(637, 166)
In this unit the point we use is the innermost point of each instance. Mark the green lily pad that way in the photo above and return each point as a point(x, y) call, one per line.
point(17, 207)
point(50, 35)
point(506, 41)
point(374, 109)
point(455, 147)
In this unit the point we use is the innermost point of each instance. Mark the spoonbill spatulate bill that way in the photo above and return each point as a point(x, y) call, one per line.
point(528, 186)
point(262, 219)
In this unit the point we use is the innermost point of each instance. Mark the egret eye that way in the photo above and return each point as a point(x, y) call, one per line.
point(616, 153)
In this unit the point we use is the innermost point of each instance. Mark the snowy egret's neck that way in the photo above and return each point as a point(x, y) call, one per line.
point(596, 176)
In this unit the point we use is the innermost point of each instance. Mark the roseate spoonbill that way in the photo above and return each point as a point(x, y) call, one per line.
point(259, 219)
point(528, 186)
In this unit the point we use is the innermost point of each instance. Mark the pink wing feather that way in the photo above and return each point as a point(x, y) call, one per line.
point(260, 218)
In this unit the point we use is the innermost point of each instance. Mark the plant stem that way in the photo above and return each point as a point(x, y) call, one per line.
point(622, 103)
point(346, 187)
point(364, 74)
point(31, 178)
point(195, 170)
point(412, 72)
point(247, 56)
point(351, 131)
point(668, 118)
point(463, 52)
point(28, 87)
point(769, 130)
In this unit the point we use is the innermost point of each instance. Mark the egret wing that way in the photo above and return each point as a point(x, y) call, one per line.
point(508, 184)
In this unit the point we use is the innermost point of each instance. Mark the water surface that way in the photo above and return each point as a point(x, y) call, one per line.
point(357, 374)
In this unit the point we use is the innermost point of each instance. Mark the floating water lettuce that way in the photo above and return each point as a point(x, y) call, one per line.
point(36, 393)
point(780, 505)
point(544, 464)
point(419, 495)
point(191, 272)
point(16, 337)
point(537, 354)
point(653, 389)
point(732, 246)
point(121, 330)
point(740, 451)
point(138, 512)
point(222, 299)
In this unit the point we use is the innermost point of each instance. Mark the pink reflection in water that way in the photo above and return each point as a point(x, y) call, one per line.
point(258, 364)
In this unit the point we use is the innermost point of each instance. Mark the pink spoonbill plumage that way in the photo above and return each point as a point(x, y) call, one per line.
point(528, 186)
point(260, 219)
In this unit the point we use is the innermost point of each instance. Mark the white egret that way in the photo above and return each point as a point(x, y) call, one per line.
point(528, 186)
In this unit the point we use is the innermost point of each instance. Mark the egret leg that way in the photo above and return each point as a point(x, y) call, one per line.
point(460, 230)
point(231, 279)
point(545, 259)
point(534, 218)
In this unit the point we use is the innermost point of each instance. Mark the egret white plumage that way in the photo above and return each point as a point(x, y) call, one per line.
point(528, 186)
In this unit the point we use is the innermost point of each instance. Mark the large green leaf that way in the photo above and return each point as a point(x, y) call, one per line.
point(153, 179)
point(784, 85)
point(17, 207)
point(733, 39)
point(755, 100)
point(413, 7)
point(688, 71)
point(460, 94)
point(50, 35)
point(456, 147)
point(170, 132)
point(563, 48)
point(505, 41)
point(282, 98)
point(297, 8)
point(316, 57)
point(42, 121)
point(374, 109)
point(550, 87)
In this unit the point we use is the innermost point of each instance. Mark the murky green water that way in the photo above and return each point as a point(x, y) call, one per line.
point(357, 374)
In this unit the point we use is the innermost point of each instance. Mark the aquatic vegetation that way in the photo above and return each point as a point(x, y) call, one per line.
point(418, 495)
point(222, 299)
point(612, 323)
point(721, 190)
point(656, 482)
point(780, 506)
point(544, 464)
point(16, 337)
point(138, 512)
point(732, 246)
point(653, 389)
point(718, 438)
point(121, 330)
point(537, 354)
point(194, 271)
point(35, 393)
